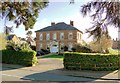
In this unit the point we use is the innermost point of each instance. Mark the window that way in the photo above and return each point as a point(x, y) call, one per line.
point(80, 36)
point(61, 36)
point(48, 36)
point(41, 36)
point(40, 46)
point(70, 46)
point(54, 36)
point(48, 46)
point(70, 35)
point(77, 35)
point(62, 46)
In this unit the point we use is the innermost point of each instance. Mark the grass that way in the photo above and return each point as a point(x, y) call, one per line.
point(112, 51)
point(56, 56)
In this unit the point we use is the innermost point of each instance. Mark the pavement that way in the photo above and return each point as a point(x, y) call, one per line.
point(54, 66)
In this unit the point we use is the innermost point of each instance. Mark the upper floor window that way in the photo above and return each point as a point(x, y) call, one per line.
point(48, 36)
point(70, 35)
point(41, 36)
point(61, 36)
point(54, 36)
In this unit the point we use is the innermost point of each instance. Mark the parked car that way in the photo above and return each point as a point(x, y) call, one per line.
point(42, 52)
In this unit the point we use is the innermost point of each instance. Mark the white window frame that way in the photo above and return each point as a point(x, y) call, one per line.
point(70, 33)
point(41, 37)
point(54, 36)
point(40, 46)
point(47, 36)
point(61, 36)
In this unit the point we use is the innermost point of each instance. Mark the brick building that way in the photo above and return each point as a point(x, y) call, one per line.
point(56, 36)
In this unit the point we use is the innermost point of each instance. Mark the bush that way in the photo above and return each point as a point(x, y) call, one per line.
point(81, 48)
point(65, 48)
point(13, 46)
point(91, 61)
point(27, 58)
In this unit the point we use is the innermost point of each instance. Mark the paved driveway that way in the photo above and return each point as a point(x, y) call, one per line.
point(52, 70)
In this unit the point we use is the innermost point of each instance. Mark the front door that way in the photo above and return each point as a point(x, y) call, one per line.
point(54, 47)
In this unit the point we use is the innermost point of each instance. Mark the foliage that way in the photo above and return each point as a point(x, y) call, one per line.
point(22, 12)
point(81, 48)
point(2, 41)
point(19, 46)
point(29, 33)
point(112, 51)
point(91, 61)
point(27, 58)
point(65, 48)
point(101, 45)
point(106, 13)
point(8, 30)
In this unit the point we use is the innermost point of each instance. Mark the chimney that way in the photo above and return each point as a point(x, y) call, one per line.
point(71, 23)
point(52, 23)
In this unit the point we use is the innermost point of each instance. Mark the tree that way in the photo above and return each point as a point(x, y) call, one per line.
point(106, 13)
point(29, 33)
point(22, 12)
point(7, 30)
point(101, 45)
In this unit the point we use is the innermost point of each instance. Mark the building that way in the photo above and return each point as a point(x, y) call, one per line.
point(115, 44)
point(13, 38)
point(31, 41)
point(56, 36)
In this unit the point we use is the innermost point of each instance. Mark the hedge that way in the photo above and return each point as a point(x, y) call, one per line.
point(91, 61)
point(27, 58)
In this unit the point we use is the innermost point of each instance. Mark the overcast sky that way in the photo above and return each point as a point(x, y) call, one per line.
point(61, 11)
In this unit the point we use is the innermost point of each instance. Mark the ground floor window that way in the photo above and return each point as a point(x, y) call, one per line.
point(70, 45)
point(40, 47)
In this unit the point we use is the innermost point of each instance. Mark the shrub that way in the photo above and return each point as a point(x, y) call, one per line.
point(65, 48)
point(91, 61)
point(81, 48)
point(13, 46)
point(24, 57)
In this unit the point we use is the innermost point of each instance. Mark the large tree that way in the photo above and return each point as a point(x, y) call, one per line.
point(22, 12)
point(105, 13)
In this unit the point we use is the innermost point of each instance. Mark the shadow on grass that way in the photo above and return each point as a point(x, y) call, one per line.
point(68, 75)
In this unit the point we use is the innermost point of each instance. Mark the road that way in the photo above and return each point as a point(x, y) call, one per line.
point(47, 70)
point(9, 74)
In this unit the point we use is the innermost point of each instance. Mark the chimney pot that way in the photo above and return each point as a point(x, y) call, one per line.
point(52, 23)
point(71, 23)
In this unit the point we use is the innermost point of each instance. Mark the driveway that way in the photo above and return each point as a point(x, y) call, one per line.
point(52, 70)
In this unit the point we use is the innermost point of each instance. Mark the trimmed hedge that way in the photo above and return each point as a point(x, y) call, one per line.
point(27, 58)
point(91, 61)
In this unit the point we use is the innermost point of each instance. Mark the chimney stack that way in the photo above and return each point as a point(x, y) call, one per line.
point(71, 23)
point(52, 23)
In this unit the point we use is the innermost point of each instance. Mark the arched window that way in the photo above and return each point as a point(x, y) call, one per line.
point(70, 35)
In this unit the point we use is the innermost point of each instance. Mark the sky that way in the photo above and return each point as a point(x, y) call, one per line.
point(61, 11)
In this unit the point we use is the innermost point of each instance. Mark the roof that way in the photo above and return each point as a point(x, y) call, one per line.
point(58, 26)
point(10, 37)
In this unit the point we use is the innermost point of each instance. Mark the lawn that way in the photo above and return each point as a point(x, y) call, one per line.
point(56, 56)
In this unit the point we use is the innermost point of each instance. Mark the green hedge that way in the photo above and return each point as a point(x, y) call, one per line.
point(27, 58)
point(91, 61)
